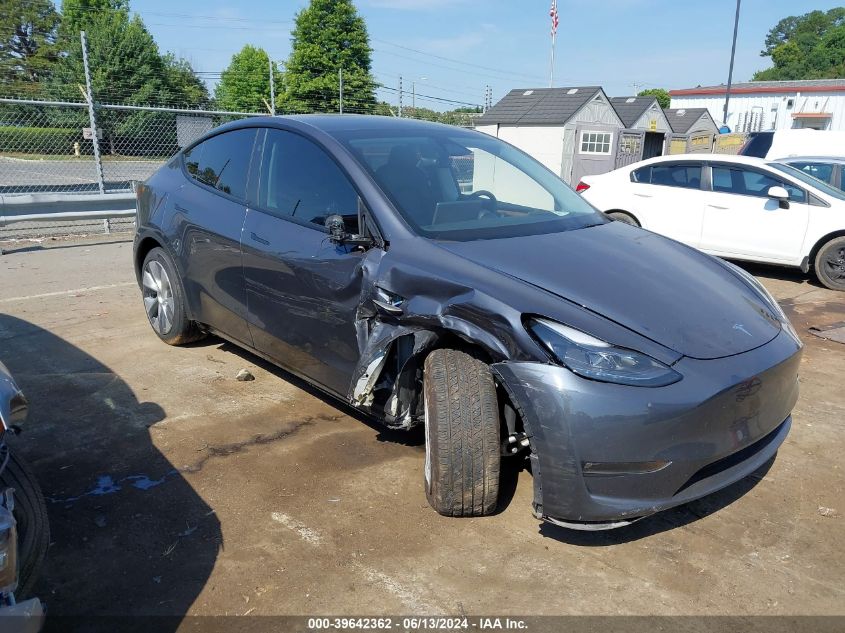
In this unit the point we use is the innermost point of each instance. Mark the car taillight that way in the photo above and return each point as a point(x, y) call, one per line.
point(582, 186)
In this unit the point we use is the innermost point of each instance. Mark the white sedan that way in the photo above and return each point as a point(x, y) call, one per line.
point(735, 207)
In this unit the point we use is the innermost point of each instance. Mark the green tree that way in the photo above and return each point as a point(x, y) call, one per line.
point(28, 32)
point(329, 35)
point(187, 89)
point(809, 46)
point(80, 15)
point(662, 96)
point(245, 84)
point(125, 63)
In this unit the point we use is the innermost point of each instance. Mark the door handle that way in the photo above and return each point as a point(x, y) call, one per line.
point(260, 240)
point(643, 195)
point(716, 206)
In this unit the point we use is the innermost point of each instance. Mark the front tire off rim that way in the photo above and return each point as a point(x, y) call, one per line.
point(158, 297)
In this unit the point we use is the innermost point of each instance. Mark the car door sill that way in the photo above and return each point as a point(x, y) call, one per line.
point(310, 382)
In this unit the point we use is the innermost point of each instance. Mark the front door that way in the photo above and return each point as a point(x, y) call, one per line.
point(302, 290)
point(741, 220)
point(210, 210)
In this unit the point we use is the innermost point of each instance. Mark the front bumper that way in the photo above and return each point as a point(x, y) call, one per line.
point(725, 419)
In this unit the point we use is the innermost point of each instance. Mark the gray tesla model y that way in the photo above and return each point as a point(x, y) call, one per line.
point(427, 274)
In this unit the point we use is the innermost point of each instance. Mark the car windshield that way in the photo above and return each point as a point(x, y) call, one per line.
point(807, 179)
point(453, 184)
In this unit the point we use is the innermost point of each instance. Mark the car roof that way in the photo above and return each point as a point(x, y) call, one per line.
point(814, 159)
point(711, 158)
point(331, 123)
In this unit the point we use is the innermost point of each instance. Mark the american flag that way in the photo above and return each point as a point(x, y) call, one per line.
point(553, 14)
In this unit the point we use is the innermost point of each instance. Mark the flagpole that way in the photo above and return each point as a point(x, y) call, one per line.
point(553, 15)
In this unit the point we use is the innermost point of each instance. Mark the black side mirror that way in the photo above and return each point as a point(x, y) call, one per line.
point(339, 235)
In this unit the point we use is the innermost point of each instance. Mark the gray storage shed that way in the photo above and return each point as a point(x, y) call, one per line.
point(573, 131)
point(693, 130)
point(644, 114)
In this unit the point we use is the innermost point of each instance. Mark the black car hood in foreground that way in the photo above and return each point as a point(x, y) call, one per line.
point(663, 290)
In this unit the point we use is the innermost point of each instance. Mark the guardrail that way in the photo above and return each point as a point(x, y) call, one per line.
point(40, 207)
point(47, 207)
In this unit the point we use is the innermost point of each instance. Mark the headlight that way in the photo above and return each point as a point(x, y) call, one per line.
point(593, 358)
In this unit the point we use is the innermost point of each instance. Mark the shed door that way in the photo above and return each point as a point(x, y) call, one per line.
point(595, 150)
point(676, 144)
point(629, 150)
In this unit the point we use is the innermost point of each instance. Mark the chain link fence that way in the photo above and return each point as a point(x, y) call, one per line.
point(48, 147)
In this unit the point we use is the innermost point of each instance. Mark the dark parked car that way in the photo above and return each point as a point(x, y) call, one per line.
point(502, 311)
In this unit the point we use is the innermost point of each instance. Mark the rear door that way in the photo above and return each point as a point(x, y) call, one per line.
point(741, 220)
point(668, 199)
point(302, 290)
point(210, 212)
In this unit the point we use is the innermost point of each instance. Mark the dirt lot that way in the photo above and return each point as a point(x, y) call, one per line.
point(173, 488)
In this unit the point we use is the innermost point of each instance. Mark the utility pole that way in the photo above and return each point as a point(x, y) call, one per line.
point(340, 83)
point(400, 96)
point(92, 118)
point(731, 70)
point(272, 89)
point(414, 96)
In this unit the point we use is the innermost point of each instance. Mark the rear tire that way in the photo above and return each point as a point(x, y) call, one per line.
point(164, 300)
point(461, 435)
point(31, 516)
point(830, 264)
point(621, 216)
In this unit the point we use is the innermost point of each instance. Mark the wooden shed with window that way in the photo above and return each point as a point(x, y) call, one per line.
point(573, 131)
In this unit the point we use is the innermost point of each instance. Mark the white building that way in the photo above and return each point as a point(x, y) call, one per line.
point(771, 105)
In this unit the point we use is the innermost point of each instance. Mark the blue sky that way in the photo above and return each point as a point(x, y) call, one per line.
point(503, 43)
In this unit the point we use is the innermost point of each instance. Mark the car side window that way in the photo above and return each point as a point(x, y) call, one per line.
point(300, 180)
point(223, 161)
point(821, 171)
point(748, 182)
point(643, 175)
point(684, 175)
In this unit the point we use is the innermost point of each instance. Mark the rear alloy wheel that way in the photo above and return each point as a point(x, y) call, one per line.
point(164, 300)
point(621, 216)
point(830, 264)
point(462, 450)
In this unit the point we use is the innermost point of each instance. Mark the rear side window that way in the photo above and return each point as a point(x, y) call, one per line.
point(222, 161)
point(684, 175)
point(748, 182)
point(300, 180)
point(821, 171)
point(758, 145)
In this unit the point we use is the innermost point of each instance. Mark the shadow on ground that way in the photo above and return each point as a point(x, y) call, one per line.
point(130, 536)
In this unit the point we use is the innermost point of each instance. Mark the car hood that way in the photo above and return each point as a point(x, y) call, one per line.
point(661, 289)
